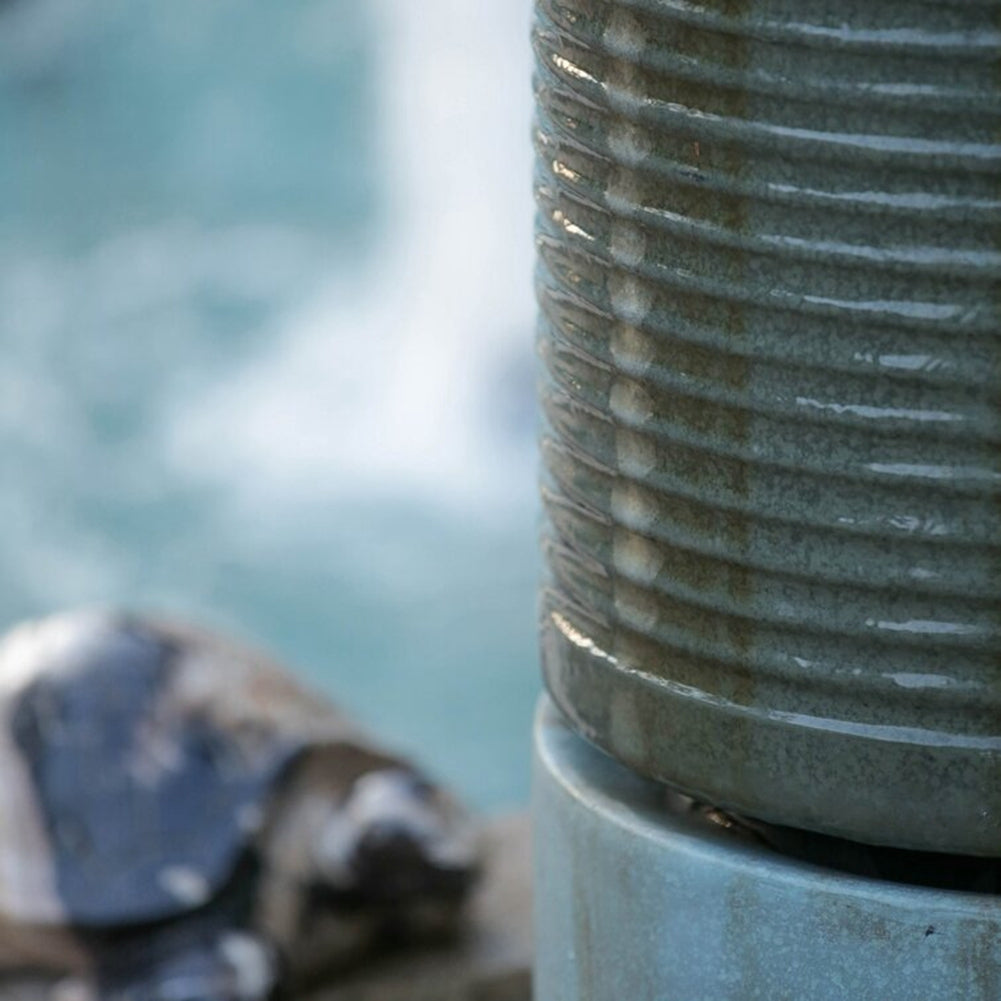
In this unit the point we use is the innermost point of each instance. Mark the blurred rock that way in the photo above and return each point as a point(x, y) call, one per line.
point(492, 962)
point(494, 959)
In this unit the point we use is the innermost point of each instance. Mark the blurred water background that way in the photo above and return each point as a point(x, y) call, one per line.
point(266, 326)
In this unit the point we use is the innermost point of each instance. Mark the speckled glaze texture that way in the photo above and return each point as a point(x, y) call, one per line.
point(636, 903)
point(770, 287)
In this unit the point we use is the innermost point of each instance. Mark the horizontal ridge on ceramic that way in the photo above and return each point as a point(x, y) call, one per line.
point(769, 272)
point(637, 901)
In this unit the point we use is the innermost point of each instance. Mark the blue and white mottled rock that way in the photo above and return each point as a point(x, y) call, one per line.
point(180, 819)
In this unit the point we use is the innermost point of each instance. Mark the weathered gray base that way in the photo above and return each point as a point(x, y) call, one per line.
point(634, 902)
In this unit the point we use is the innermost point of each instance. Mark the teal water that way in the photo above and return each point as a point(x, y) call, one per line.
point(265, 323)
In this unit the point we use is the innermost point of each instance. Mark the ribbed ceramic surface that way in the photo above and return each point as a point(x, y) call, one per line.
point(770, 288)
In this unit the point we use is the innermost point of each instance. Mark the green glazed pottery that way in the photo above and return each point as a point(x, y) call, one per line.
point(769, 248)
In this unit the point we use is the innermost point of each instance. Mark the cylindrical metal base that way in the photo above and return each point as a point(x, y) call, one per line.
point(636, 902)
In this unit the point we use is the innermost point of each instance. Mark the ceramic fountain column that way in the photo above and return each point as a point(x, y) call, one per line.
point(769, 244)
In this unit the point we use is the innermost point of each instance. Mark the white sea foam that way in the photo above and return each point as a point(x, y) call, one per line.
point(389, 383)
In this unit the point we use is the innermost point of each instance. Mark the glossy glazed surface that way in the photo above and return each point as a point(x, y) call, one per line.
point(769, 265)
